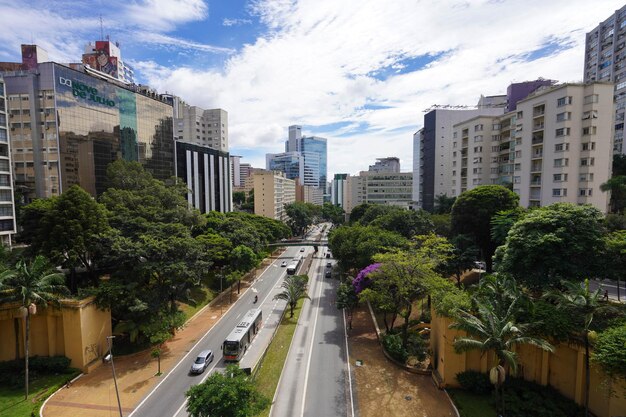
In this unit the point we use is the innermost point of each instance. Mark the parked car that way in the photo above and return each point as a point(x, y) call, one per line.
point(283, 264)
point(202, 361)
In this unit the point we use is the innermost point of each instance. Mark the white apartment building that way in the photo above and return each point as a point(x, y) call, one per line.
point(390, 188)
point(272, 190)
point(202, 127)
point(556, 147)
point(7, 205)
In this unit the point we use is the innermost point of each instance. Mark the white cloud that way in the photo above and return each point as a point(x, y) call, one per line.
point(170, 41)
point(165, 14)
point(314, 66)
point(236, 22)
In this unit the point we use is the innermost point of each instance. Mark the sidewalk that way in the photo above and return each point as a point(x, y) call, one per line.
point(93, 395)
point(382, 388)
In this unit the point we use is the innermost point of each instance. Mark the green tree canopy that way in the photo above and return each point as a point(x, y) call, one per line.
point(228, 394)
point(355, 246)
point(554, 243)
point(407, 223)
point(293, 289)
point(301, 215)
point(443, 204)
point(472, 212)
point(333, 213)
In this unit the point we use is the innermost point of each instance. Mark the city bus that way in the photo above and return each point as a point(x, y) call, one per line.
point(292, 268)
point(240, 338)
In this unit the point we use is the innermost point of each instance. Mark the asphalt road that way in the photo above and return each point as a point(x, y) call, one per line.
point(168, 398)
point(316, 379)
point(611, 287)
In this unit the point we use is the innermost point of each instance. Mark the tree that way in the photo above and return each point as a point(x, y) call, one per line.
point(579, 301)
point(294, 289)
point(615, 257)
point(228, 394)
point(354, 246)
point(502, 222)
point(300, 216)
point(472, 212)
point(491, 326)
point(407, 223)
point(616, 185)
point(462, 258)
point(333, 213)
point(239, 197)
point(347, 298)
point(609, 351)
point(443, 204)
point(357, 212)
point(31, 284)
point(554, 243)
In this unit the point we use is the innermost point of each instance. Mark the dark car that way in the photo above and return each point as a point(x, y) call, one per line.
point(328, 274)
point(202, 361)
point(329, 264)
point(328, 254)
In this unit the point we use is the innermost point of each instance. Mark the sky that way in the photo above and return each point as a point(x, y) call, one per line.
point(357, 72)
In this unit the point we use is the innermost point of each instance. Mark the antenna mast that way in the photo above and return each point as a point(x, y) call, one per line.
point(101, 29)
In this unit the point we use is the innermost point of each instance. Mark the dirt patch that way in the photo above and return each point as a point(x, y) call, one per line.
point(382, 388)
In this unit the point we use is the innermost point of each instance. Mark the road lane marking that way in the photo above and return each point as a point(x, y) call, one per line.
point(345, 333)
point(308, 365)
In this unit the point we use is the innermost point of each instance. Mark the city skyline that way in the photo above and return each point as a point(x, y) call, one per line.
point(358, 76)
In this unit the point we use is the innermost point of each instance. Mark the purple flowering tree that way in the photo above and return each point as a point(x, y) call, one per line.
point(362, 281)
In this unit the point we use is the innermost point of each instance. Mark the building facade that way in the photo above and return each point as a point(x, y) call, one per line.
point(106, 57)
point(272, 190)
point(204, 127)
point(206, 172)
point(313, 169)
point(556, 147)
point(338, 190)
point(605, 60)
point(388, 188)
point(66, 127)
point(7, 203)
point(391, 164)
point(289, 163)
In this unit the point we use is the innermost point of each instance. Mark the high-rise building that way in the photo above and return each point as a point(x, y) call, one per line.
point(289, 163)
point(67, 125)
point(272, 190)
point(605, 60)
point(434, 145)
point(391, 164)
point(235, 170)
point(388, 188)
point(555, 147)
point(203, 127)
point(338, 190)
point(106, 57)
point(7, 205)
point(314, 157)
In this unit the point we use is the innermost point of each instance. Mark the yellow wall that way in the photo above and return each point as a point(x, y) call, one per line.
point(77, 330)
point(564, 369)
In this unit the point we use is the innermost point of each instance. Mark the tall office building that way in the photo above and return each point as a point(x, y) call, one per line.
point(289, 163)
point(7, 204)
point(555, 147)
point(68, 125)
point(338, 190)
point(314, 153)
point(203, 127)
point(605, 60)
point(391, 164)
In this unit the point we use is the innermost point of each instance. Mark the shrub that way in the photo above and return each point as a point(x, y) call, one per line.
point(37, 365)
point(609, 351)
point(50, 365)
point(417, 346)
point(425, 316)
point(392, 343)
point(523, 398)
point(474, 381)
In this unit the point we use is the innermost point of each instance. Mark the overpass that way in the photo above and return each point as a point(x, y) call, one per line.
point(300, 242)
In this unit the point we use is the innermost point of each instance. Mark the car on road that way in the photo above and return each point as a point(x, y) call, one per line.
point(283, 264)
point(327, 254)
point(328, 274)
point(480, 265)
point(202, 361)
point(329, 264)
point(301, 249)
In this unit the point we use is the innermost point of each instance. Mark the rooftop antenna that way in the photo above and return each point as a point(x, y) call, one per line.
point(101, 28)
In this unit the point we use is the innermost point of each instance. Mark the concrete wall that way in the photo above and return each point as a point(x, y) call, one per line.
point(564, 369)
point(77, 330)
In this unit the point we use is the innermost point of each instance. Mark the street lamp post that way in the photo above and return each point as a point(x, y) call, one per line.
point(110, 358)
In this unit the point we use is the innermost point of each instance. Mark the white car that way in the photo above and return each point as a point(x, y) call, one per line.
point(301, 249)
point(283, 264)
point(202, 361)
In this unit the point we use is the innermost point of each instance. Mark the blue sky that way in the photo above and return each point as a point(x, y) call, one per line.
point(358, 72)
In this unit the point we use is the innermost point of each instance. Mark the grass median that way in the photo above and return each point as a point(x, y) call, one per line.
point(271, 367)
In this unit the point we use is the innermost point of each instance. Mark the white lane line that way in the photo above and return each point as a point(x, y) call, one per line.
point(207, 373)
point(345, 333)
point(308, 365)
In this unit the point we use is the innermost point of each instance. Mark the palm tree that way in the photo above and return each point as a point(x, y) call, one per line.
point(31, 284)
point(582, 302)
point(494, 328)
point(294, 288)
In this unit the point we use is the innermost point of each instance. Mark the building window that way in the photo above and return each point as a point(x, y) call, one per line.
point(620, 85)
point(559, 192)
point(478, 138)
point(585, 177)
point(588, 146)
point(520, 114)
point(589, 130)
point(559, 177)
point(563, 101)
point(591, 114)
point(454, 135)
point(478, 149)
point(584, 162)
point(561, 162)
point(518, 167)
point(563, 131)
point(560, 147)
point(561, 117)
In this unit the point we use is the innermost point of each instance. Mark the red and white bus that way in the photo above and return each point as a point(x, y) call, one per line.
point(240, 338)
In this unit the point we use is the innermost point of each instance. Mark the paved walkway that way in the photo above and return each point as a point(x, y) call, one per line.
point(93, 395)
point(384, 389)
